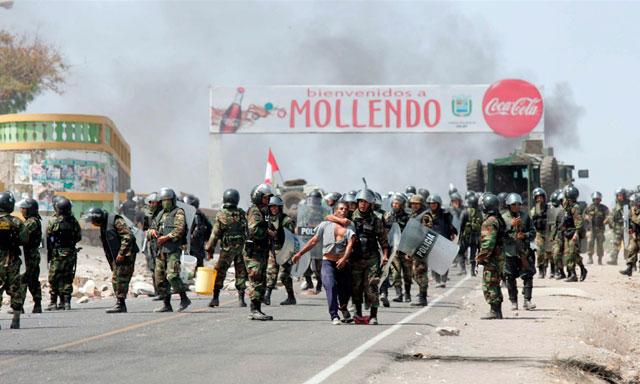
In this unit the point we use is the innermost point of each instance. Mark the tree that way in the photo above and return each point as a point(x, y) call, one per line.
point(27, 68)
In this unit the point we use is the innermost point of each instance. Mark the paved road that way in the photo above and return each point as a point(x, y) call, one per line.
point(204, 345)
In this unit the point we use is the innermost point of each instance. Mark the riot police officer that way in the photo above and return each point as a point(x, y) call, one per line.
point(120, 248)
point(11, 237)
point(33, 239)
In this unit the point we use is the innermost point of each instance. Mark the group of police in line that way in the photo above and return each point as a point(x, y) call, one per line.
point(494, 231)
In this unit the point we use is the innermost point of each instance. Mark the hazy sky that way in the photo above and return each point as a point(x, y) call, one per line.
point(148, 66)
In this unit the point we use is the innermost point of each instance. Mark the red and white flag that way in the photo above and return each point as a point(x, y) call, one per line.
point(272, 167)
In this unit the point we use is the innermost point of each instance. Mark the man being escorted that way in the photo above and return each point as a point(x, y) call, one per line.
point(230, 228)
point(171, 235)
point(63, 233)
point(490, 256)
point(337, 245)
point(11, 238)
point(120, 248)
point(33, 237)
point(519, 261)
point(596, 214)
point(278, 222)
point(634, 234)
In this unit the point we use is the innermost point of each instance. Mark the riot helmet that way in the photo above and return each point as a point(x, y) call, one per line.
point(410, 189)
point(30, 205)
point(314, 197)
point(129, 193)
point(167, 194)
point(276, 200)
point(502, 198)
point(261, 191)
point(63, 206)
point(424, 193)
point(366, 195)
point(513, 198)
point(490, 203)
point(191, 200)
point(596, 195)
point(7, 202)
point(571, 192)
point(230, 197)
point(434, 199)
point(539, 192)
point(472, 200)
point(152, 198)
point(96, 216)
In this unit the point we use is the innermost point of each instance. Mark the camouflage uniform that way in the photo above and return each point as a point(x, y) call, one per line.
point(490, 256)
point(64, 233)
point(31, 278)
point(616, 223)
point(554, 240)
point(366, 268)
point(419, 266)
point(470, 226)
point(538, 215)
point(634, 238)
point(172, 224)
point(117, 239)
point(230, 228)
point(12, 235)
point(256, 253)
point(572, 225)
point(279, 223)
point(519, 260)
point(596, 215)
point(151, 249)
point(401, 268)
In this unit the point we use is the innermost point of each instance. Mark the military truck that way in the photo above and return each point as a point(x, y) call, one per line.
point(526, 168)
point(292, 192)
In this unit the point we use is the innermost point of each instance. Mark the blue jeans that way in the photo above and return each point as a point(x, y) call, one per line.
point(337, 286)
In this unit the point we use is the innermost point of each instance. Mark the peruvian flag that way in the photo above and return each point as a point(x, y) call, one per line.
point(272, 167)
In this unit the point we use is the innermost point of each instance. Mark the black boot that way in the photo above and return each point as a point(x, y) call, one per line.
point(560, 274)
point(166, 305)
point(495, 313)
point(215, 301)
point(184, 301)
point(583, 272)
point(473, 268)
point(61, 301)
point(572, 277)
point(291, 297)
point(15, 322)
point(407, 293)
point(256, 314)
point(358, 309)
point(398, 298)
point(37, 306)
point(309, 281)
point(67, 302)
point(120, 307)
point(267, 297)
point(552, 271)
point(241, 302)
point(53, 303)
point(422, 300)
point(628, 271)
point(542, 271)
point(384, 299)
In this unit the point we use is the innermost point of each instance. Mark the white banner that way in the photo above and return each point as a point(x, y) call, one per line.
point(508, 107)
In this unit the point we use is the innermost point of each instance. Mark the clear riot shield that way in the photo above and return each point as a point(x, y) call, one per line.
point(298, 269)
point(457, 218)
point(138, 234)
point(394, 241)
point(189, 216)
point(552, 216)
point(386, 204)
point(289, 248)
point(412, 236)
point(309, 217)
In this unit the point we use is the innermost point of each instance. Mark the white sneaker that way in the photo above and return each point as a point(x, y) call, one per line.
point(336, 321)
point(373, 321)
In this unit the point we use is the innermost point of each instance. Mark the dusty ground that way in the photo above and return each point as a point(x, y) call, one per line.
point(585, 332)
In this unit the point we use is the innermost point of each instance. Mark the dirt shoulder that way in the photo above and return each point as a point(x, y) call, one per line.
point(580, 332)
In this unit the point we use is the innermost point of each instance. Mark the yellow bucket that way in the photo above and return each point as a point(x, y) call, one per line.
point(205, 279)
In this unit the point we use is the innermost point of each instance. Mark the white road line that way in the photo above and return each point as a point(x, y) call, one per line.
point(335, 367)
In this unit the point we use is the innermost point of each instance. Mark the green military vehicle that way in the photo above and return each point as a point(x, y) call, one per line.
point(523, 170)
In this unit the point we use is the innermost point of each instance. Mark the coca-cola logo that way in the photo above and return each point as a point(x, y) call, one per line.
point(512, 107)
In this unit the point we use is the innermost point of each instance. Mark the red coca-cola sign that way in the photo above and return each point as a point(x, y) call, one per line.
point(512, 107)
